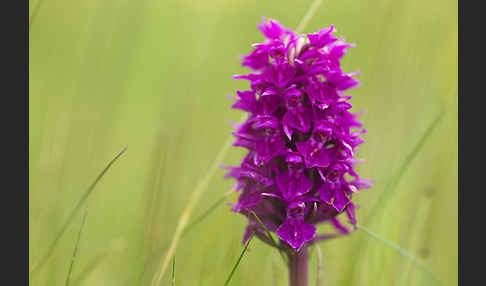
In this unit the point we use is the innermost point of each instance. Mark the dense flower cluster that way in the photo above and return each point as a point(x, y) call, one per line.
point(299, 133)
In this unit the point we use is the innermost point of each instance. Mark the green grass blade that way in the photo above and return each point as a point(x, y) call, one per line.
point(173, 271)
point(200, 188)
point(270, 235)
point(390, 188)
point(265, 228)
point(238, 262)
point(73, 257)
point(206, 213)
point(69, 220)
point(35, 11)
point(92, 265)
point(400, 251)
point(310, 13)
point(319, 266)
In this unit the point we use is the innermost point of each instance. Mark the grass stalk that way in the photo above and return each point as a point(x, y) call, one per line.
point(73, 257)
point(92, 265)
point(34, 13)
point(184, 218)
point(238, 262)
point(173, 271)
point(206, 213)
point(390, 188)
point(400, 251)
point(319, 266)
point(310, 13)
point(270, 236)
point(70, 218)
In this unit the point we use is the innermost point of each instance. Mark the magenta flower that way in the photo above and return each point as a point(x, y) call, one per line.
point(300, 136)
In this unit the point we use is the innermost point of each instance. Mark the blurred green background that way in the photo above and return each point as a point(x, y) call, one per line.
point(155, 76)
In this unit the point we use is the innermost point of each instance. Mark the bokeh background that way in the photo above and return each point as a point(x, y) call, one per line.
point(155, 76)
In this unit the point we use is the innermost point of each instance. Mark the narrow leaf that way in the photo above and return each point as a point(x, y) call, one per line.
point(69, 220)
point(305, 20)
point(205, 214)
point(92, 265)
point(200, 188)
point(270, 235)
point(390, 188)
point(73, 257)
point(238, 261)
point(400, 251)
point(35, 11)
point(319, 266)
point(173, 271)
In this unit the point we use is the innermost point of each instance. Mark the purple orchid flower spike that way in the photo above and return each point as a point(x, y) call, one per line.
point(300, 135)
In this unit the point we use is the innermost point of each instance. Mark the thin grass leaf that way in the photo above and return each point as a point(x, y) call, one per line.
point(390, 188)
point(205, 214)
point(194, 198)
point(319, 266)
point(73, 257)
point(310, 251)
point(271, 237)
point(35, 11)
point(401, 251)
point(238, 261)
point(70, 218)
point(305, 20)
point(153, 196)
point(92, 265)
point(265, 228)
point(173, 271)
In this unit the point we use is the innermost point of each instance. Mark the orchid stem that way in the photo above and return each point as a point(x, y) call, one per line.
point(298, 272)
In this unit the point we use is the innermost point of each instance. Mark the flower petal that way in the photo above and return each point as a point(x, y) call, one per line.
point(296, 232)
